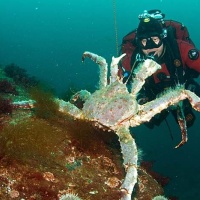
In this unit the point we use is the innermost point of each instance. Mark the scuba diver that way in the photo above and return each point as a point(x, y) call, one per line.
point(168, 43)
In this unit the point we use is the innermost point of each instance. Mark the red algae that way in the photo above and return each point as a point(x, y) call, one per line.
point(40, 159)
point(45, 159)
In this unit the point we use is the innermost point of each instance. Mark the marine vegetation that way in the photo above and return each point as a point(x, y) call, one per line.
point(19, 75)
point(5, 106)
point(41, 159)
point(7, 87)
point(45, 105)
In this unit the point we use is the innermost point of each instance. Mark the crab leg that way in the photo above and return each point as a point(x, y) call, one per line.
point(79, 98)
point(183, 126)
point(114, 68)
point(103, 66)
point(130, 156)
point(144, 70)
point(69, 109)
point(29, 104)
point(171, 97)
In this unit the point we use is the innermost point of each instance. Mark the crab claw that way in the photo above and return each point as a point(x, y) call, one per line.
point(96, 58)
point(115, 61)
point(114, 68)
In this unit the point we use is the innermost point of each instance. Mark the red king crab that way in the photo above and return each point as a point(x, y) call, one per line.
point(114, 108)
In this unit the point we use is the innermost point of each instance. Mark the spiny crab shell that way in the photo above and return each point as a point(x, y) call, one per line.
point(111, 105)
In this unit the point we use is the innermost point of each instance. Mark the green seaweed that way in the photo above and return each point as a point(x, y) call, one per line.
point(45, 106)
